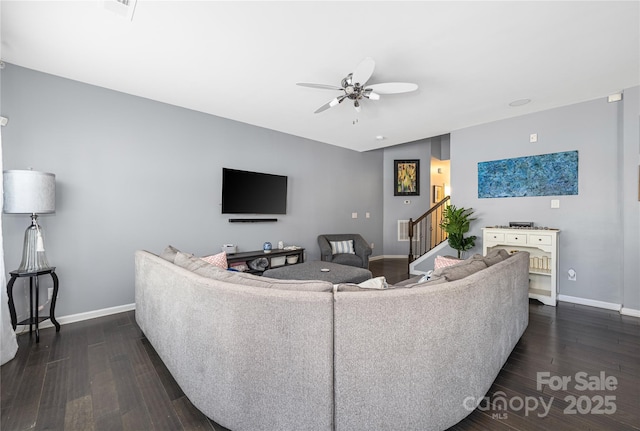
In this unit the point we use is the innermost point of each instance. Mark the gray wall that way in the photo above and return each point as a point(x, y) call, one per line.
point(394, 207)
point(136, 174)
point(629, 150)
point(599, 226)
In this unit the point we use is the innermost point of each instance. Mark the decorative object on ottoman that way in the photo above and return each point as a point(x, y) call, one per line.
point(345, 249)
point(292, 259)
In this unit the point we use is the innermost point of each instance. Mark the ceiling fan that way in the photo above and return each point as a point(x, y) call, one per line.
point(354, 87)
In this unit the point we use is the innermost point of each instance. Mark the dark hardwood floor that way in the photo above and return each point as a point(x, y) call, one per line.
point(102, 374)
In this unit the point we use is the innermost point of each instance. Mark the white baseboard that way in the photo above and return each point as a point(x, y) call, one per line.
point(630, 312)
point(590, 302)
point(72, 318)
point(389, 256)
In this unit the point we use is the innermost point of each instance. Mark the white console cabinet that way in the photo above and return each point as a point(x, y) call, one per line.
point(542, 245)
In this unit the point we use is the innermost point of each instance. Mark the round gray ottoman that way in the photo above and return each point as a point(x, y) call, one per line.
point(314, 271)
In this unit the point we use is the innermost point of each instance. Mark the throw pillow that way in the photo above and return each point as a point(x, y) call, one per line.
point(444, 261)
point(494, 256)
point(219, 260)
point(374, 283)
point(432, 281)
point(377, 283)
point(461, 270)
point(339, 247)
point(190, 262)
point(169, 253)
point(243, 279)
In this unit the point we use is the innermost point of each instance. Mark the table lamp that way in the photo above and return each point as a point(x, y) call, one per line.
point(30, 192)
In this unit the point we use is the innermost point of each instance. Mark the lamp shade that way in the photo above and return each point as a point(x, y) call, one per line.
point(29, 192)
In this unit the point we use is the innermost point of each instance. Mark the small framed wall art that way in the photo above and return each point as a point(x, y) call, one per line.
point(406, 174)
point(437, 194)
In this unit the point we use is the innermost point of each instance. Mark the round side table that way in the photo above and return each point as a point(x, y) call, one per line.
point(33, 307)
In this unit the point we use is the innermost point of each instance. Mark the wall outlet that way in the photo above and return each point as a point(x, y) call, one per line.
point(555, 203)
point(50, 293)
point(572, 275)
point(533, 137)
point(371, 246)
point(354, 215)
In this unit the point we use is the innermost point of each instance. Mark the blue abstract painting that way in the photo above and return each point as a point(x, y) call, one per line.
point(544, 175)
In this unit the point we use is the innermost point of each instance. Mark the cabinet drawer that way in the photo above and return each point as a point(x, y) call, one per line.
point(493, 237)
point(517, 238)
point(540, 239)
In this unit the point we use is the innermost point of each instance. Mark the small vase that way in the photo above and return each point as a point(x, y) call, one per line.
point(266, 247)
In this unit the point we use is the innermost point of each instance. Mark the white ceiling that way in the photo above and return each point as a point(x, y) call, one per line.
point(241, 60)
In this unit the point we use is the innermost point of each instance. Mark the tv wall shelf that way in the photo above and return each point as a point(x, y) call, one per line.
point(542, 245)
point(252, 220)
point(247, 256)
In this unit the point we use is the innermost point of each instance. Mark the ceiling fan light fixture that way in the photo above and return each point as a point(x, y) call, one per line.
point(355, 87)
point(369, 94)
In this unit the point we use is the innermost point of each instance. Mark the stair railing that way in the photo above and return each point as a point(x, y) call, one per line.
point(427, 230)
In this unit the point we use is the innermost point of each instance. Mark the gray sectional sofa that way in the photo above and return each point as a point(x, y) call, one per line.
point(254, 353)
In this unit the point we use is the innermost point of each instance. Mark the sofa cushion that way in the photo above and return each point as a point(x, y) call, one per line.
point(460, 270)
point(432, 281)
point(201, 267)
point(169, 253)
point(347, 259)
point(195, 264)
point(496, 255)
point(340, 247)
point(219, 260)
point(378, 285)
point(274, 283)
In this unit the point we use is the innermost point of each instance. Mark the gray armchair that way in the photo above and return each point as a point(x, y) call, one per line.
point(360, 246)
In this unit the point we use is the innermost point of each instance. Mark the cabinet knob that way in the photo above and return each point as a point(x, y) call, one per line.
point(516, 238)
point(539, 239)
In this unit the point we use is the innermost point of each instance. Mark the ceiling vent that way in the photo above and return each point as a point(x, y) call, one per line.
point(123, 8)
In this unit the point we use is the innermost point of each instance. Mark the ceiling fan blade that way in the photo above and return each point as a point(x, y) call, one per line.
point(330, 104)
point(393, 87)
point(363, 71)
point(321, 86)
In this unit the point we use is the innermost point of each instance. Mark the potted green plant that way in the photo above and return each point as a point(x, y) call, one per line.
point(456, 223)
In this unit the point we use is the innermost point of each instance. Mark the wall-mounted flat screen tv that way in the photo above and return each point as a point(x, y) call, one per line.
point(245, 192)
